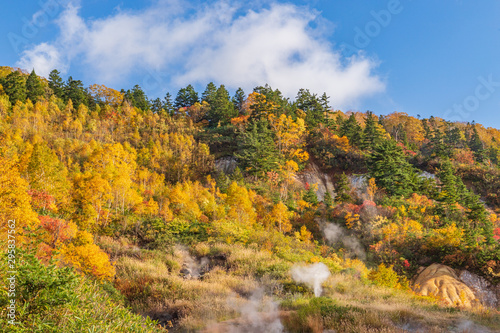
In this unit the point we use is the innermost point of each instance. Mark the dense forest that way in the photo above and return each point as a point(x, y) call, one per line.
point(142, 215)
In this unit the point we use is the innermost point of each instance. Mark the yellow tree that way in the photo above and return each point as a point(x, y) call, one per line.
point(117, 165)
point(106, 95)
point(240, 204)
point(287, 173)
point(280, 216)
point(399, 123)
point(290, 134)
point(45, 172)
point(91, 196)
point(14, 199)
point(87, 257)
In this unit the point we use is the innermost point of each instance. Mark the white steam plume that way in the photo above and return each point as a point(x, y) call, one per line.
point(333, 233)
point(259, 314)
point(313, 275)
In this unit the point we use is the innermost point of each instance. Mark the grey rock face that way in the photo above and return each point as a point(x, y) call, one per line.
point(483, 290)
point(226, 164)
point(313, 175)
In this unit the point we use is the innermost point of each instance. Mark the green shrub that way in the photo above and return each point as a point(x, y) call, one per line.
point(54, 299)
point(386, 277)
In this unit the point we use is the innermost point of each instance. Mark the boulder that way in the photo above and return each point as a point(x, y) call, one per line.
point(484, 290)
point(443, 282)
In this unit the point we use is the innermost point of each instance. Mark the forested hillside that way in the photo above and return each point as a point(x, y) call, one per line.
point(186, 209)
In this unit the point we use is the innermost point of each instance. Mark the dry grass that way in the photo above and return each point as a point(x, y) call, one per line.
point(152, 283)
point(394, 310)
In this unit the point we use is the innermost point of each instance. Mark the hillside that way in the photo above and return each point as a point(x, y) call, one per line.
point(250, 213)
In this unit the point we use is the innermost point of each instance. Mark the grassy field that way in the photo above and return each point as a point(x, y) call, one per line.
point(222, 288)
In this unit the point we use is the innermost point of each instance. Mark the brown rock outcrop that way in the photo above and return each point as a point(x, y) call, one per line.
point(442, 281)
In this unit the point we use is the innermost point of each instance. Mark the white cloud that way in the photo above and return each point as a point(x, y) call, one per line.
point(43, 58)
point(219, 42)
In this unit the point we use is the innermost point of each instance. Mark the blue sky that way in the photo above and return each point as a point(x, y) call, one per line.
point(421, 57)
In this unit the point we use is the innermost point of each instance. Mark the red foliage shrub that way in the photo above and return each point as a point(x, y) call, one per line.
point(41, 200)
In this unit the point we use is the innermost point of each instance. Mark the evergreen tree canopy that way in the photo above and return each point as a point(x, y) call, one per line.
point(56, 83)
point(342, 189)
point(74, 91)
point(371, 134)
point(209, 93)
point(139, 98)
point(15, 87)
point(156, 105)
point(34, 88)
point(450, 183)
point(388, 165)
point(257, 151)
point(438, 146)
point(168, 105)
point(238, 99)
point(221, 108)
point(476, 145)
point(186, 97)
point(312, 106)
point(352, 130)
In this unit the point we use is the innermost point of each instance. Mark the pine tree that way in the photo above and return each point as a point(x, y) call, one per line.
point(139, 98)
point(34, 88)
point(454, 137)
point(168, 106)
point(238, 99)
point(476, 145)
point(438, 146)
point(56, 83)
point(328, 200)
point(156, 105)
point(237, 176)
point(371, 134)
point(449, 188)
point(74, 91)
point(342, 189)
point(339, 121)
point(209, 93)
point(352, 130)
point(312, 106)
point(186, 97)
point(327, 110)
point(427, 130)
point(476, 210)
point(222, 109)
point(257, 152)
point(15, 87)
point(310, 196)
point(388, 165)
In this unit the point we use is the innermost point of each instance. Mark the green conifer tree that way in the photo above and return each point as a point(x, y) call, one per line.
point(257, 150)
point(342, 189)
point(34, 88)
point(15, 87)
point(390, 168)
point(56, 83)
point(352, 130)
point(238, 99)
point(372, 135)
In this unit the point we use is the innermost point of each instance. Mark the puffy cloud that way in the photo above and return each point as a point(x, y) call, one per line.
point(43, 58)
point(220, 42)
